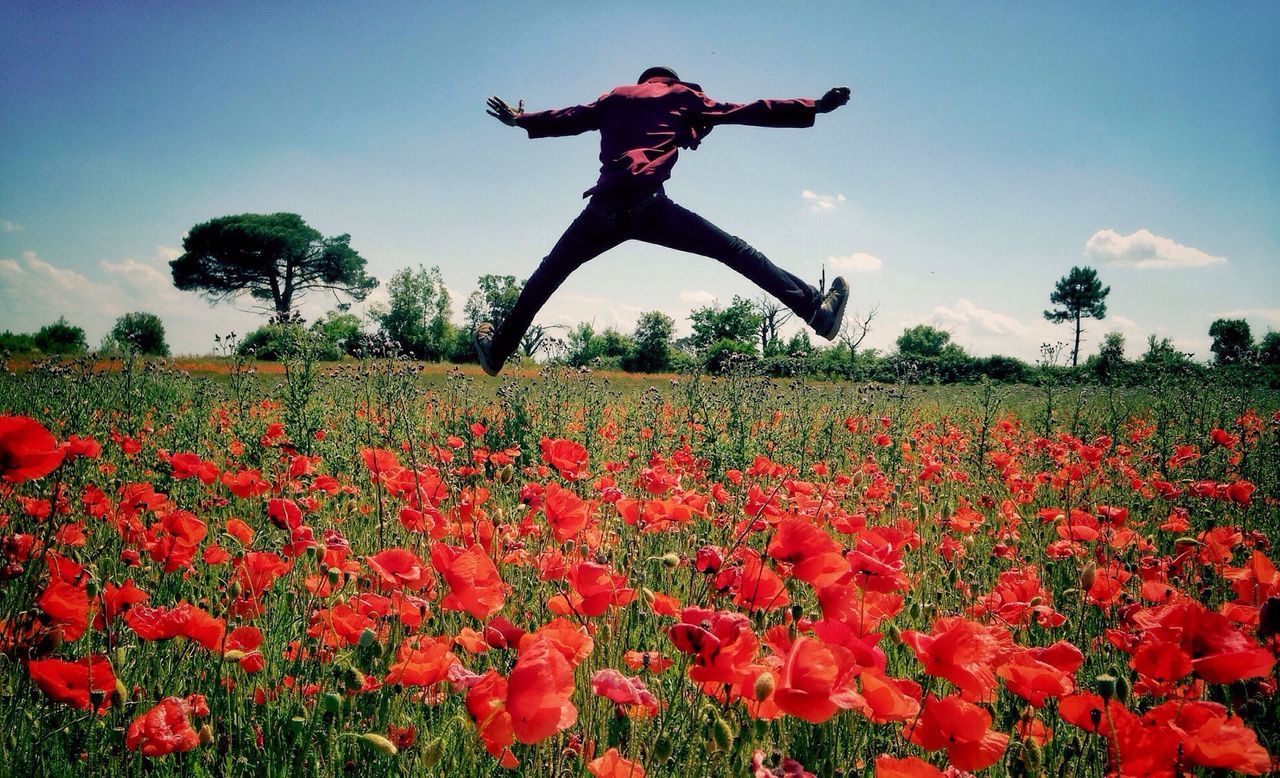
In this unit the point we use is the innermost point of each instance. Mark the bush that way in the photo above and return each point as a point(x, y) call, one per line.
point(725, 353)
point(61, 338)
point(17, 342)
point(141, 333)
point(272, 342)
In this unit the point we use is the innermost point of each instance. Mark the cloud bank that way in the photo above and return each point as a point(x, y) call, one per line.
point(1145, 251)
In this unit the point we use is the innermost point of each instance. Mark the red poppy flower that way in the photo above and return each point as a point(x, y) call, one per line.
point(538, 693)
point(814, 555)
point(164, 729)
point(961, 651)
point(27, 450)
point(486, 702)
point(612, 765)
point(889, 699)
point(183, 620)
point(422, 661)
point(906, 767)
point(961, 727)
point(71, 683)
point(567, 513)
point(1211, 737)
point(400, 567)
point(623, 690)
point(474, 583)
point(818, 681)
point(722, 643)
point(569, 458)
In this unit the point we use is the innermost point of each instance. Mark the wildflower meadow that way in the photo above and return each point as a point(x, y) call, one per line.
point(374, 569)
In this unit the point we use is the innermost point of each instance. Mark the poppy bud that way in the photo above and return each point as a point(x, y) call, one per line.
point(206, 734)
point(721, 735)
point(505, 474)
point(797, 611)
point(313, 552)
point(894, 633)
point(914, 610)
point(121, 655)
point(1035, 601)
point(662, 749)
point(765, 685)
point(380, 743)
point(234, 655)
point(330, 702)
point(1032, 756)
point(670, 559)
point(1088, 575)
point(91, 588)
point(1106, 686)
point(1122, 688)
point(432, 753)
point(121, 694)
point(368, 638)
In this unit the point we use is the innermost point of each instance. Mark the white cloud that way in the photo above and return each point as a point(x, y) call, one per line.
point(8, 226)
point(697, 297)
point(977, 321)
point(1144, 250)
point(857, 263)
point(820, 202)
point(1271, 316)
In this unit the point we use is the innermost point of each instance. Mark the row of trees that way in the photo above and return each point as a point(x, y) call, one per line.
point(277, 259)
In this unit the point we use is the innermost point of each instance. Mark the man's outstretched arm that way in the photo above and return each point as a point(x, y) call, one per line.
point(774, 113)
point(546, 124)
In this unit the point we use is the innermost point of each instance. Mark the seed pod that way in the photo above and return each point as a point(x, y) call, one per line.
point(368, 638)
point(432, 752)
point(1106, 686)
point(379, 743)
point(330, 702)
point(765, 685)
point(334, 576)
point(91, 588)
point(296, 725)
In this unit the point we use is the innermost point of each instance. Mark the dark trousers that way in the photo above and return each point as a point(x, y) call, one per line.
point(610, 219)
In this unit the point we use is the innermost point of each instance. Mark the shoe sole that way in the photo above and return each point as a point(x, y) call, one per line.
point(482, 357)
point(839, 316)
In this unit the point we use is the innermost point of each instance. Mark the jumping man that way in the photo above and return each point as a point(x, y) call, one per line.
point(642, 128)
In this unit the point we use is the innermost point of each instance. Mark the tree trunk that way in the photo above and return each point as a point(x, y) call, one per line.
point(1075, 353)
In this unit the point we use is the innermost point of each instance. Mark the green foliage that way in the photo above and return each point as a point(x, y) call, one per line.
point(924, 341)
point(140, 333)
point(651, 344)
point(17, 342)
point(726, 353)
point(1232, 341)
point(1269, 349)
point(275, 341)
point(340, 333)
point(1078, 295)
point(738, 323)
point(416, 318)
point(60, 337)
point(586, 347)
point(492, 300)
point(276, 258)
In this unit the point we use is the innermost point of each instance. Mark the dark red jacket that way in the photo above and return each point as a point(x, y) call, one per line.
point(643, 126)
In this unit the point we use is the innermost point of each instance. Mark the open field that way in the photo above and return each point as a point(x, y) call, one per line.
point(386, 568)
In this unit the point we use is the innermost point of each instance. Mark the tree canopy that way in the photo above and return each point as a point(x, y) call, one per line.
point(141, 333)
point(416, 317)
point(1078, 295)
point(1232, 341)
point(275, 258)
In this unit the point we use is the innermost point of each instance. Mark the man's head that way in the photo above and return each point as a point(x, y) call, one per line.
point(657, 72)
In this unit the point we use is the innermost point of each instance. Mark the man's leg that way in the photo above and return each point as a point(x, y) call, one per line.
point(590, 235)
point(668, 224)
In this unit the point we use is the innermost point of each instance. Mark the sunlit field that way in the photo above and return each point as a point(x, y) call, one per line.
point(376, 568)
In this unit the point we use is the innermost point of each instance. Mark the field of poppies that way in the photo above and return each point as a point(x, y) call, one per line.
point(365, 569)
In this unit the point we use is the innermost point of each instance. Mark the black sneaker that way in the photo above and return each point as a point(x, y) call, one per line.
point(482, 339)
point(827, 319)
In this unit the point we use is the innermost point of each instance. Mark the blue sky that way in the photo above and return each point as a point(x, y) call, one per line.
point(987, 149)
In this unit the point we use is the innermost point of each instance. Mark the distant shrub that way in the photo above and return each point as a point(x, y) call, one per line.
point(61, 337)
point(17, 342)
point(141, 333)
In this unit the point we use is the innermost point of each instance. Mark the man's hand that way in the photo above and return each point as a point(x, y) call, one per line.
point(504, 113)
point(833, 99)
